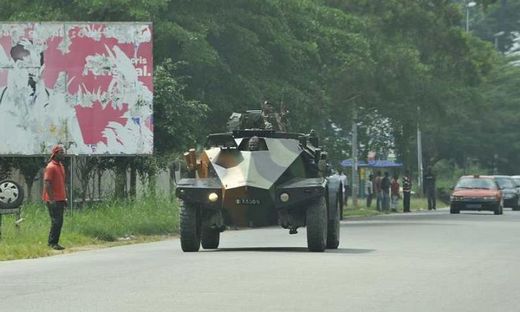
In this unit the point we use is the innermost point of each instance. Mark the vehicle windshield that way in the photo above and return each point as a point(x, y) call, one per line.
point(517, 181)
point(475, 183)
point(505, 182)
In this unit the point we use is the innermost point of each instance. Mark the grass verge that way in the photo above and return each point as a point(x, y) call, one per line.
point(106, 224)
point(416, 204)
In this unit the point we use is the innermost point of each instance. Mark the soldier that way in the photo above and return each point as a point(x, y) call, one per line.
point(253, 144)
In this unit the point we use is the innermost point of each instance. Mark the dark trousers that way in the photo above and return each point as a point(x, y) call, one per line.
point(56, 214)
point(406, 201)
point(369, 200)
point(431, 200)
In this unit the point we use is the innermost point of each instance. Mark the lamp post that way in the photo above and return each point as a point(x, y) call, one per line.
point(498, 34)
point(468, 6)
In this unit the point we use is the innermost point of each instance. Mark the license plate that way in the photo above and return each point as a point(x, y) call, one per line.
point(247, 201)
point(474, 206)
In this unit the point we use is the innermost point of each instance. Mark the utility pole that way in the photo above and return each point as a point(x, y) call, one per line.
point(354, 161)
point(419, 153)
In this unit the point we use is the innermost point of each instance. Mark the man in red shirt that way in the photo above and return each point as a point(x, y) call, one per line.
point(54, 194)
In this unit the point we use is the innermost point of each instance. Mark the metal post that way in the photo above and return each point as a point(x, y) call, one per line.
point(354, 161)
point(467, 18)
point(419, 153)
point(468, 6)
point(71, 191)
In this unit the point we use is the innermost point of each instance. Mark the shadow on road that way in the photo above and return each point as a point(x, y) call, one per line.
point(292, 249)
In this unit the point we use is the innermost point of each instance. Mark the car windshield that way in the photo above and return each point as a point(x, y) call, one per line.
point(505, 182)
point(517, 181)
point(475, 183)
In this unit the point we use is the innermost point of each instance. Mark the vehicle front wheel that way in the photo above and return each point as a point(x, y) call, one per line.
point(316, 220)
point(190, 227)
point(333, 228)
point(516, 206)
point(210, 238)
point(498, 210)
point(454, 210)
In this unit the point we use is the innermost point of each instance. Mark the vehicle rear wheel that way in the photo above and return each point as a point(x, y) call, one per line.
point(498, 210)
point(190, 228)
point(333, 228)
point(316, 220)
point(11, 194)
point(454, 210)
point(210, 238)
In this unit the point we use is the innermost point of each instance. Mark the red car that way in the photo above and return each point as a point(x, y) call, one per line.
point(477, 193)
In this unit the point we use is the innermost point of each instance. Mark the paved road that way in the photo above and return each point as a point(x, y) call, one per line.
point(415, 262)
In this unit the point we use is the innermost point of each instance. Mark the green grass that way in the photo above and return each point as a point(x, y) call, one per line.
point(416, 204)
point(106, 224)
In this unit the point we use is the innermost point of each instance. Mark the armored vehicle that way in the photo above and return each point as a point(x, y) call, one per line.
point(259, 175)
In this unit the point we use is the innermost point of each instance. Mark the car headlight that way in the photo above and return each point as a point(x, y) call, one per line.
point(456, 197)
point(284, 197)
point(489, 198)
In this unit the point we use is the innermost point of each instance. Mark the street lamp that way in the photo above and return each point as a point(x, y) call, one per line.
point(469, 5)
point(498, 34)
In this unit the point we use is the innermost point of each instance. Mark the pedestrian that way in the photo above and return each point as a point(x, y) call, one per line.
point(55, 195)
point(394, 193)
point(369, 189)
point(429, 189)
point(344, 182)
point(407, 189)
point(385, 190)
point(378, 192)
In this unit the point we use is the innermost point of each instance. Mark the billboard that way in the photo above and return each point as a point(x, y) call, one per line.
point(86, 85)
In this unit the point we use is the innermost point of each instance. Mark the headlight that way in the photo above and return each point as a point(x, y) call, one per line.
point(456, 197)
point(284, 197)
point(213, 197)
point(489, 198)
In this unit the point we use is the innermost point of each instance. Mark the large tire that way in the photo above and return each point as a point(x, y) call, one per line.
point(210, 238)
point(11, 194)
point(333, 228)
point(316, 219)
point(190, 228)
point(454, 210)
point(498, 210)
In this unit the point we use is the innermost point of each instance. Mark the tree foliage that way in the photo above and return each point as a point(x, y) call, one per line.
point(397, 63)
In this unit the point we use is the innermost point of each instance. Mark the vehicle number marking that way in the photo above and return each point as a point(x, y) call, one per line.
point(247, 201)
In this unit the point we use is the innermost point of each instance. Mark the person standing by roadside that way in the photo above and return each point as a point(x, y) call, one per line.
point(429, 189)
point(385, 190)
point(378, 192)
point(394, 193)
point(407, 189)
point(55, 195)
point(369, 189)
point(344, 182)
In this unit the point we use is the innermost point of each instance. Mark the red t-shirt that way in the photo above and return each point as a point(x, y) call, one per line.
point(55, 174)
